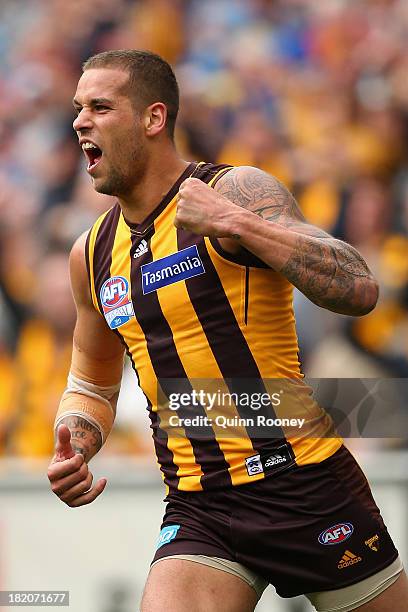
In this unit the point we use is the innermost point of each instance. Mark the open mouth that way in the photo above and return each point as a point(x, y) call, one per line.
point(93, 155)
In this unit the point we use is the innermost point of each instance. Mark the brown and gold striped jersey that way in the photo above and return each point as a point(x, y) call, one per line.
point(189, 315)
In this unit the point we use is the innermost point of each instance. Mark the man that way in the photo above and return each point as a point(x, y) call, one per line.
point(191, 274)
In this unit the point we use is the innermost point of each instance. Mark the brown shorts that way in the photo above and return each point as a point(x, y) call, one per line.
point(310, 528)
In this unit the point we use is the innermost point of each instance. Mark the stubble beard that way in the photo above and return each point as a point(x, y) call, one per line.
point(120, 184)
point(115, 184)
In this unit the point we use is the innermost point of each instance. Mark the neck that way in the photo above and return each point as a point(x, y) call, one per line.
point(159, 177)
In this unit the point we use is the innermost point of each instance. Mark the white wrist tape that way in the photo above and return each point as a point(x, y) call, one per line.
point(90, 402)
point(77, 385)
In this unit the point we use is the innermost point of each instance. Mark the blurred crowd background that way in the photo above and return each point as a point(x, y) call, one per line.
point(315, 93)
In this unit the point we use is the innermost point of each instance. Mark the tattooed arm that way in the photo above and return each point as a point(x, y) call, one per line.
point(97, 362)
point(267, 221)
point(331, 273)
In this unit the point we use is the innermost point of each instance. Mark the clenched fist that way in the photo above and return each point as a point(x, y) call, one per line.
point(203, 211)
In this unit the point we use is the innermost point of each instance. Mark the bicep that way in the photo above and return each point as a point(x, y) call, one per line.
point(260, 193)
point(267, 197)
point(93, 337)
point(95, 345)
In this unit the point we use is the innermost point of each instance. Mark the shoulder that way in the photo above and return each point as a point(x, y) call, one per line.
point(78, 270)
point(258, 192)
point(78, 256)
point(239, 178)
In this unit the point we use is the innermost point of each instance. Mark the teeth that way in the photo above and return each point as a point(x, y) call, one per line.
point(88, 145)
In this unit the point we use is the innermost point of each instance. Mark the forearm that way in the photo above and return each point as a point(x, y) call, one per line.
point(331, 273)
point(88, 404)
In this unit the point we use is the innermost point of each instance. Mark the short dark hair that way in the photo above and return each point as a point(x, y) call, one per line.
point(151, 78)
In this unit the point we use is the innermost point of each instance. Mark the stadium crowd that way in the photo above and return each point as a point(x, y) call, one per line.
point(313, 92)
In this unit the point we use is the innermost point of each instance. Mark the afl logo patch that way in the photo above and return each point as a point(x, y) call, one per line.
point(336, 534)
point(116, 304)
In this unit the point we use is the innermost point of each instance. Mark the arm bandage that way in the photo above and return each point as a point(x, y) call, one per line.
point(89, 402)
point(85, 397)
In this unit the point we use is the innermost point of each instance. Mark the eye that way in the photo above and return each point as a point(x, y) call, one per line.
point(100, 107)
point(77, 110)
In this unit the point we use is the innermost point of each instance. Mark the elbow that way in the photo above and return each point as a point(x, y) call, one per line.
point(368, 298)
point(362, 301)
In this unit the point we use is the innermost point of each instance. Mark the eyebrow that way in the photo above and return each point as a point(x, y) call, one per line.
point(93, 102)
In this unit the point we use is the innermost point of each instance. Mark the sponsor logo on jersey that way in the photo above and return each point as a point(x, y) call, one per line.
point(373, 543)
point(348, 559)
point(275, 460)
point(280, 458)
point(116, 304)
point(254, 465)
point(171, 269)
point(141, 249)
point(336, 534)
point(167, 534)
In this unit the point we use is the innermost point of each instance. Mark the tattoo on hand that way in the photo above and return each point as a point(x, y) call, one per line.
point(85, 437)
point(78, 434)
point(78, 449)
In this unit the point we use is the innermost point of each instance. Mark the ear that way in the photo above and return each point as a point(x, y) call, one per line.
point(155, 117)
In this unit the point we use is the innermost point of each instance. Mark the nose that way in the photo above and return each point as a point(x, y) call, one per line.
point(82, 121)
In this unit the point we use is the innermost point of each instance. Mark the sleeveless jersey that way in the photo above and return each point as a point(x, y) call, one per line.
point(195, 317)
